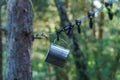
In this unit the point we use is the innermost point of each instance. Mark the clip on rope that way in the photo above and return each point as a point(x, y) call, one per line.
point(109, 5)
point(78, 23)
point(91, 15)
point(70, 28)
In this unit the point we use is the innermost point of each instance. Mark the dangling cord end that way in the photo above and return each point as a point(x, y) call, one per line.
point(78, 23)
point(91, 15)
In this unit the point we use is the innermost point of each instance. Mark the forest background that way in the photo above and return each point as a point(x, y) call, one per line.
point(94, 53)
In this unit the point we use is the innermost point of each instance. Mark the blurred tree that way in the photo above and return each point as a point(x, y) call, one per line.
point(99, 52)
point(19, 40)
point(0, 44)
point(40, 6)
point(77, 54)
point(115, 64)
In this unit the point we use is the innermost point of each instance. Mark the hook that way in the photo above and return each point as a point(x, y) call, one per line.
point(60, 40)
point(91, 15)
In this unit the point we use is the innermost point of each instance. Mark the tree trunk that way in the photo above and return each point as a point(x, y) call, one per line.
point(101, 23)
point(114, 67)
point(100, 51)
point(19, 40)
point(77, 54)
point(0, 47)
point(50, 72)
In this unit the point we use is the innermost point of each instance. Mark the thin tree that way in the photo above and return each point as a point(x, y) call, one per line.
point(19, 40)
point(77, 54)
point(0, 44)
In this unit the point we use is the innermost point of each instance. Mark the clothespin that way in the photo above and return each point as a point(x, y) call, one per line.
point(78, 23)
point(91, 15)
point(70, 27)
point(108, 5)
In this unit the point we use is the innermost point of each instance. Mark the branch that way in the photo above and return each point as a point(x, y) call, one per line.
point(40, 36)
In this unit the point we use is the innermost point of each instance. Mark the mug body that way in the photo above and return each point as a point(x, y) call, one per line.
point(57, 55)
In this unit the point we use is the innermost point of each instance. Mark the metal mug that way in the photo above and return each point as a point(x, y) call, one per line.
point(57, 55)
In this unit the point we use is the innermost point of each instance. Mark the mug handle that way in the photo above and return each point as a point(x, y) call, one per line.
point(60, 40)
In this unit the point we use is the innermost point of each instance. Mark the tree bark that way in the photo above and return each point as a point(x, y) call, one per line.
point(114, 67)
point(101, 25)
point(77, 54)
point(19, 40)
point(0, 46)
point(100, 39)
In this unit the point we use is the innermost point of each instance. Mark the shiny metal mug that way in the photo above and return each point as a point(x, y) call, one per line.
point(57, 55)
